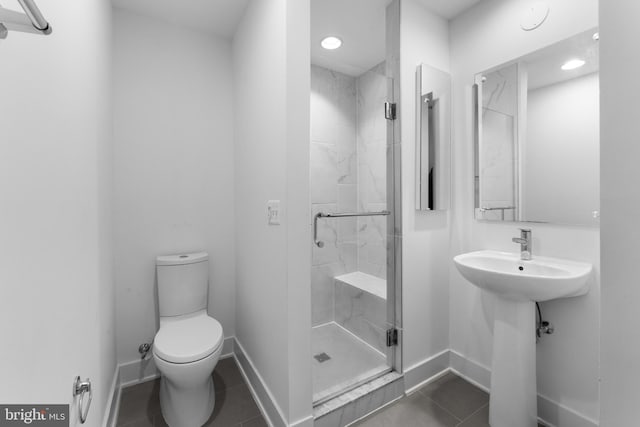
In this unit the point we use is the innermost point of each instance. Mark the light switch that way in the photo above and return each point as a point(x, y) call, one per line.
point(273, 212)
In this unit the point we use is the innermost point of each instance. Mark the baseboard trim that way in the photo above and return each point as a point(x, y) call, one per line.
point(426, 371)
point(305, 422)
point(140, 371)
point(112, 407)
point(472, 371)
point(228, 347)
point(554, 414)
point(550, 413)
point(261, 393)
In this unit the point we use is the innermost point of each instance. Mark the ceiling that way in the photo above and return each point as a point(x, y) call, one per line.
point(448, 9)
point(361, 26)
point(219, 17)
point(360, 23)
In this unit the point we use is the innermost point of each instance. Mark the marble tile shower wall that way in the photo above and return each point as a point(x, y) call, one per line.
point(333, 184)
point(371, 138)
point(348, 173)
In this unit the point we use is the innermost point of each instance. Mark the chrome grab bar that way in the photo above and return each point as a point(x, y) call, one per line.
point(319, 243)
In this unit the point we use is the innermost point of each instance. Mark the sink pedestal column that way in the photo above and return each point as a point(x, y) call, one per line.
point(513, 399)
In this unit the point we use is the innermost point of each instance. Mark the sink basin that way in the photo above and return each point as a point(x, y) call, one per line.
point(539, 279)
point(516, 285)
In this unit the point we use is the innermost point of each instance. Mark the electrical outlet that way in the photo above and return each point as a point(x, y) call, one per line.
point(273, 212)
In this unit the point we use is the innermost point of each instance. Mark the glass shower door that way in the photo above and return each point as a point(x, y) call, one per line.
point(351, 308)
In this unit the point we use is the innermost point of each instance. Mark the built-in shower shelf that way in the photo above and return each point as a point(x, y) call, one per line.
point(360, 306)
point(365, 282)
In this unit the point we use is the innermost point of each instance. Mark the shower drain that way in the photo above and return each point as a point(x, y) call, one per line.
point(322, 357)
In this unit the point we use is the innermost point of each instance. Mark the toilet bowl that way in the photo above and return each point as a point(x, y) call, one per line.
point(186, 350)
point(188, 344)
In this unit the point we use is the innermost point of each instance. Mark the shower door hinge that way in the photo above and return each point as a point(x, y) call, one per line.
point(389, 110)
point(392, 337)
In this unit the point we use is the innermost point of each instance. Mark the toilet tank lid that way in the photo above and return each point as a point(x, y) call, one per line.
point(181, 259)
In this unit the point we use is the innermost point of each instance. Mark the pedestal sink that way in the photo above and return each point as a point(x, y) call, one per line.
point(517, 285)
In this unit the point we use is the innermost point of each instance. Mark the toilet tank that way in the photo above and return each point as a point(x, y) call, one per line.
point(183, 283)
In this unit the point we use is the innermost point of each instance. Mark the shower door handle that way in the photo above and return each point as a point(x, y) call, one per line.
point(319, 215)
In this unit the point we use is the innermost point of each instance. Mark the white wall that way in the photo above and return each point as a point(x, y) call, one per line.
point(563, 146)
point(485, 36)
point(174, 167)
point(620, 348)
point(299, 221)
point(424, 38)
point(56, 310)
point(273, 312)
point(106, 295)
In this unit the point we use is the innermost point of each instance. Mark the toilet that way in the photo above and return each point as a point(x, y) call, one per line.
point(189, 342)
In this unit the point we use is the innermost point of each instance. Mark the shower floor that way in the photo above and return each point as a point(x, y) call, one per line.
point(351, 361)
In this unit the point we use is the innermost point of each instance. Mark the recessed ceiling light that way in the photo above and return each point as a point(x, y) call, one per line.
point(573, 64)
point(331, 42)
point(596, 36)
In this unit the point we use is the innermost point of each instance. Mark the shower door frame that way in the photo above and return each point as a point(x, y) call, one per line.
point(394, 198)
point(394, 205)
point(393, 353)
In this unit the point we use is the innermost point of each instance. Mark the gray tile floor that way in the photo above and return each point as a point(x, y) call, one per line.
point(448, 402)
point(235, 407)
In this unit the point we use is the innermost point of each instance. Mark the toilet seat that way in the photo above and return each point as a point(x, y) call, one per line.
point(188, 338)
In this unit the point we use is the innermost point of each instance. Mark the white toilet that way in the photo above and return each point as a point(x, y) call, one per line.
point(189, 342)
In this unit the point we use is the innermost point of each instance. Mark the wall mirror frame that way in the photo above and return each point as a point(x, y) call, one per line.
point(536, 136)
point(433, 139)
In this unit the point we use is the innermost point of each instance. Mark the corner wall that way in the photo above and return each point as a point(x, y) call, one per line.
point(106, 295)
point(568, 361)
point(273, 312)
point(424, 38)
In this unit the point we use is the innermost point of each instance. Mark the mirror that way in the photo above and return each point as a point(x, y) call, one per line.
point(537, 136)
point(433, 150)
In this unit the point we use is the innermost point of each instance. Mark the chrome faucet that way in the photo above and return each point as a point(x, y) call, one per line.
point(525, 243)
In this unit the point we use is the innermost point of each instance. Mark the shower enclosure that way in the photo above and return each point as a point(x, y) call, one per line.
point(352, 278)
